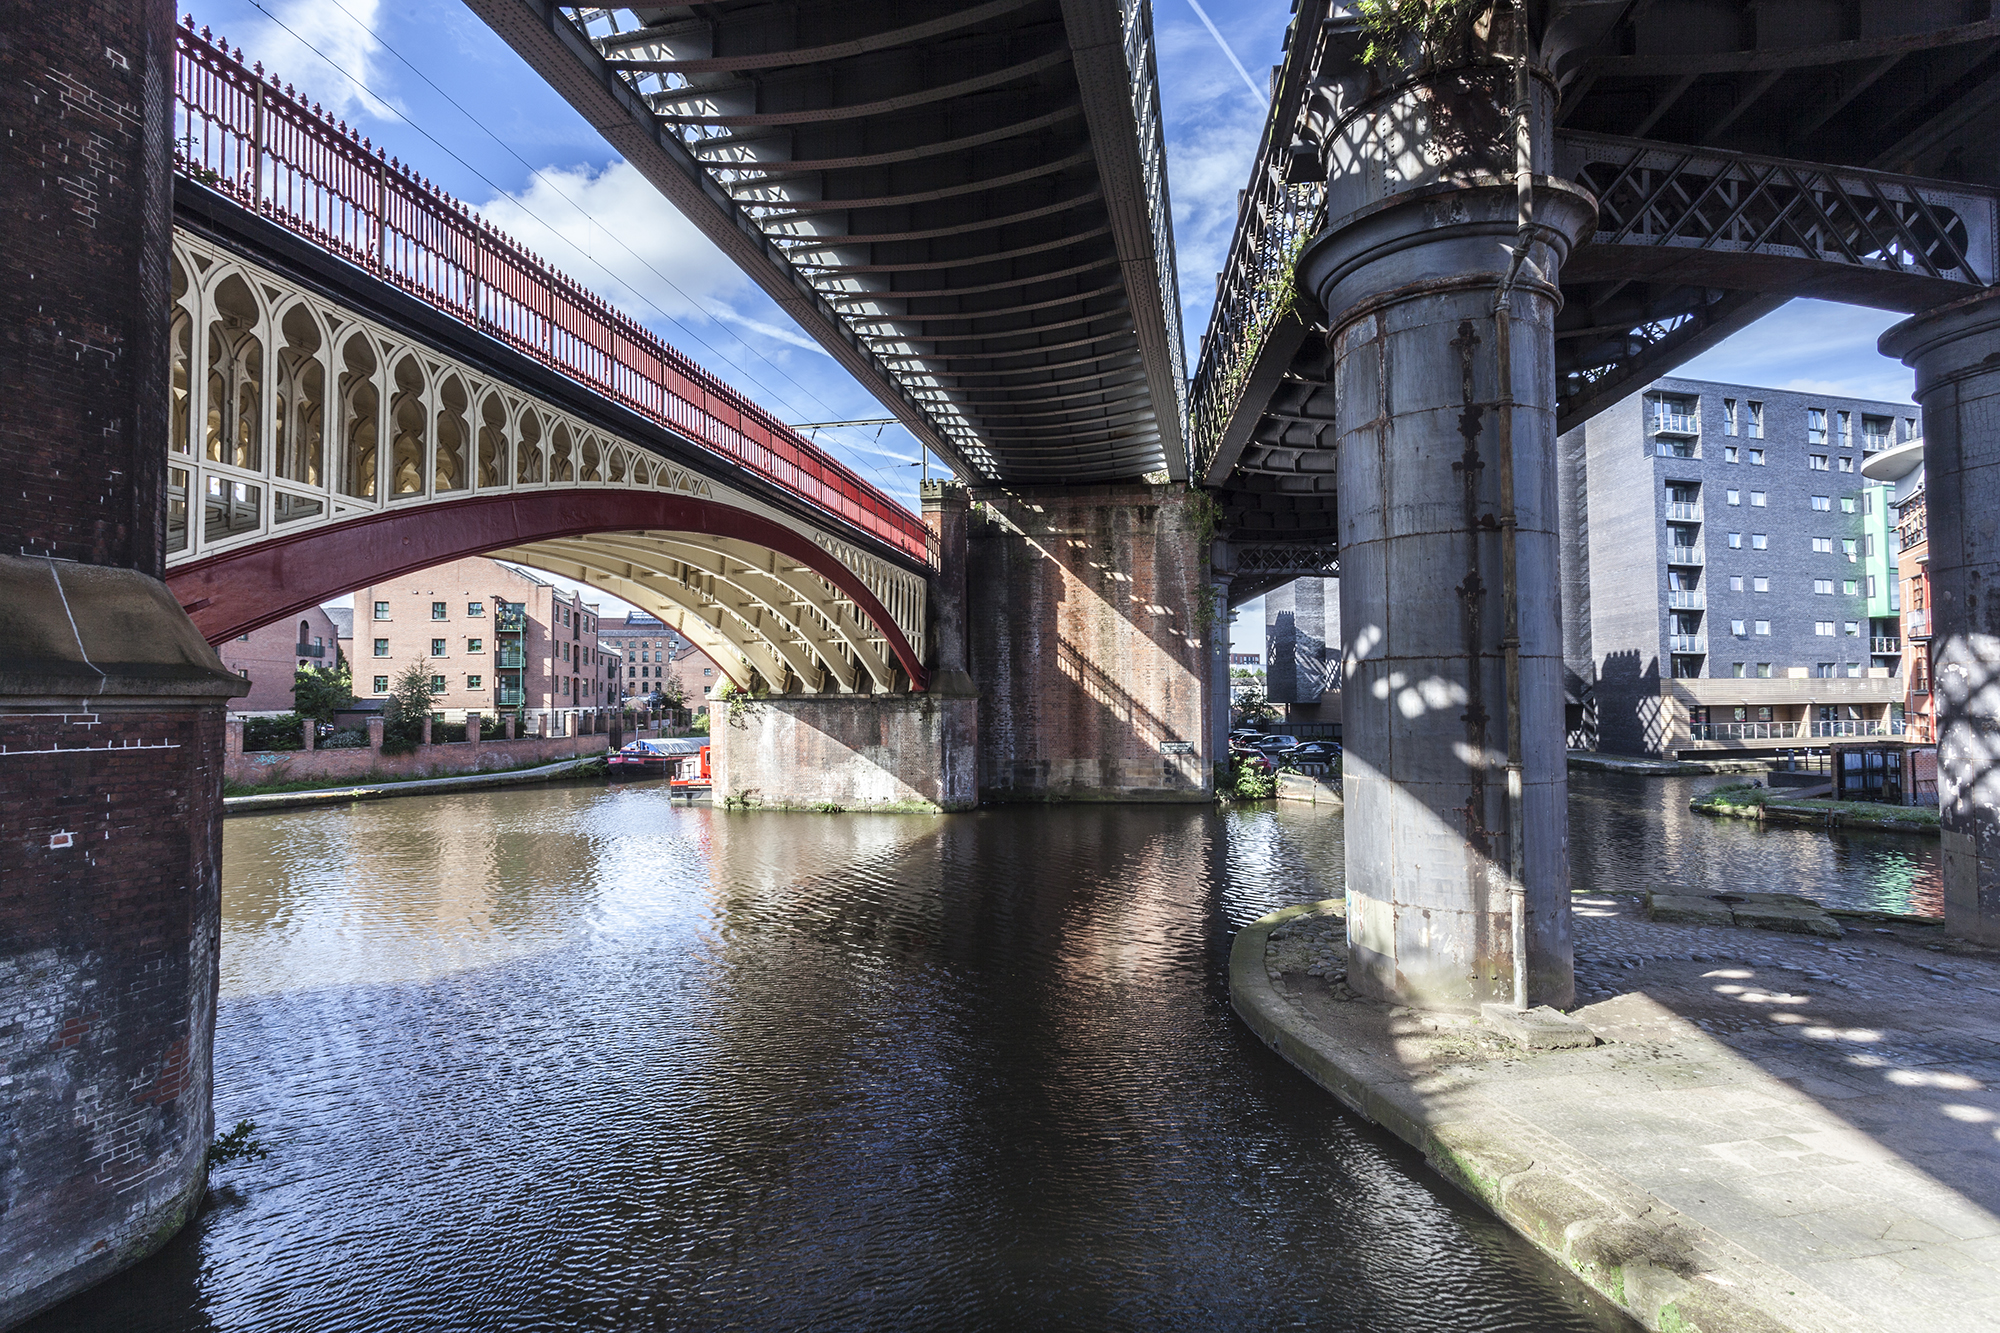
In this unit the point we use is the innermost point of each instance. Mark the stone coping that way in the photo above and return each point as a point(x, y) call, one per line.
point(375, 791)
point(1691, 1187)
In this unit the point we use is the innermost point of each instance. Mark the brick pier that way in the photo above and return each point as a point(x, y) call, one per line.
point(111, 705)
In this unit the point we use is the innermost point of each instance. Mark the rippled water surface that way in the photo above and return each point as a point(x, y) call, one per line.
point(573, 1058)
point(1630, 834)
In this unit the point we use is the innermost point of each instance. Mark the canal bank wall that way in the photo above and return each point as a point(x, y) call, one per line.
point(259, 767)
point(1707, 1165)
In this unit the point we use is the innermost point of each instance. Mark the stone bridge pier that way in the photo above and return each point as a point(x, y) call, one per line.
point(1453, 706)
point(1069, 663)
point(1955, 351)
point(111, 703)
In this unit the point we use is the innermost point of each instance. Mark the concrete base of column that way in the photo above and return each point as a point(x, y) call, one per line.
point(847, 751)
point(1088, 611)
point(111, 754)
point(1955, 351)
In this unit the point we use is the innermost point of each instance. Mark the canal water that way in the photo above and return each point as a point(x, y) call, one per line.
point(575, 1058)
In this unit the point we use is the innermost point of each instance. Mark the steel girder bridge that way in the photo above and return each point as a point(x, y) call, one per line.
point(1739, 157)
point(964, 203)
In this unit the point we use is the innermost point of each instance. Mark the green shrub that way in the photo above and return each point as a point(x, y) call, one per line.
point(348, 738)
point(286, 732)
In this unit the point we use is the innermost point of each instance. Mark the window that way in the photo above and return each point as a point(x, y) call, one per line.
point(1760, 584)
point(1850, 588)
point(565, 615)
point(1683, 492)
point(706, 688)
point(381, 685)
point(1754, 427)
point(1756, 499)
point(1731, 454)
point(1846, 504)
point(475, 608)
point(1736, 583)
point(437, 685)
point(1824, 545)
point(1823, 670)
point(632, 672)
point(1822, 504)
point(1875, 432)
point(438, 648)
point(1854, 668)
point(1823, 587)
point(1871, 586)
point(1848, 548)
point(1737, 628)
point(1764, 627)
point(565, 652)
point(1729, 419)
point(1846, 463)
point(1736, 670)
point(1674, 448)
point(1763, 671)
point(475, 645)
point(1871, 545)
point(438, 611)
point(1851, 628)
point(708, 671)
point(1756, 458)
point(381, 610)
point(1735, 541)
point(475, 682)
point(1759, 542)
point(1735, 497)
point(1823, 628)
point(1846, 429)
point(1816, 428)
point(1817, 462)
point(565, 684)
point(381, 647)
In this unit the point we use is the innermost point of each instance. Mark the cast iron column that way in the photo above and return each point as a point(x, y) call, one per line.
point(1423, 214)
point(1955, 351)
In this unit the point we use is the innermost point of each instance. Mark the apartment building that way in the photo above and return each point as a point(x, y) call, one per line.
point(271, 657)
point(1901, 471)
point(1726, 570)
point(496, 639)
point(1302, 646)
point(654, 652)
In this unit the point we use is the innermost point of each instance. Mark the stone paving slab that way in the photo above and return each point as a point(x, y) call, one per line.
point(1778, 1131)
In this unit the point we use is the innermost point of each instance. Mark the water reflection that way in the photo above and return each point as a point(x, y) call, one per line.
point(575, 1058)
point(1630, 834)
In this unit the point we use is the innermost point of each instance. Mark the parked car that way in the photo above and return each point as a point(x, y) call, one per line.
point(1275, 744)
point(1324, 753)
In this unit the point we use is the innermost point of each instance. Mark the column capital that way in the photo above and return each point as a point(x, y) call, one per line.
point(1942, 343)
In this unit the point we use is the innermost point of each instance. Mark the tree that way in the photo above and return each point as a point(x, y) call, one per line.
point(1253, 708)
point(409, 704)
point(320, 692)
point(673, 693)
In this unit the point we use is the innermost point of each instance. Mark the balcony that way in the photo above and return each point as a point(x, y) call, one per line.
point(510, 696)
point(509, 657)
point(1885, 647)
point(1675, 423)
point(310, 650)
point(1916, 624)
point(1745, 731)
point(1685, 599)
point(1687, 643)
point(1857, 727)
point(1687, 511)
point(1684, 555)
point(511, 620)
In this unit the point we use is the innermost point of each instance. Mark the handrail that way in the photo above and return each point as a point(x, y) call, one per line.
point(1274, 221)
point(241, 134)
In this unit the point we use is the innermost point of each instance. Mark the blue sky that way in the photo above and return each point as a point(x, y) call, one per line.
point(444, 93)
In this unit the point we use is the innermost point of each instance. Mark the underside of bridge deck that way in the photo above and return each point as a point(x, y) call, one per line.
point(965, 203)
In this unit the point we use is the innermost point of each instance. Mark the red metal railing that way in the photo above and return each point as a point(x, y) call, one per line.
point(241, 134)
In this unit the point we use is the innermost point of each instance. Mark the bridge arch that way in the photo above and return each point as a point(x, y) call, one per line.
point(753, 593)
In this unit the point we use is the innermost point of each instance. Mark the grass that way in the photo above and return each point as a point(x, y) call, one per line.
point(371, 780)
point(1744, 801)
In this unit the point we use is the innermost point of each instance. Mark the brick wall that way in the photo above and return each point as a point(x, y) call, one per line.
point(1083, 643)
point(85, 190)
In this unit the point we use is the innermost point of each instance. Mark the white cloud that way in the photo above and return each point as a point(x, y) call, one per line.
point(325, 49)
point(613, 232)
point(1812, 346)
